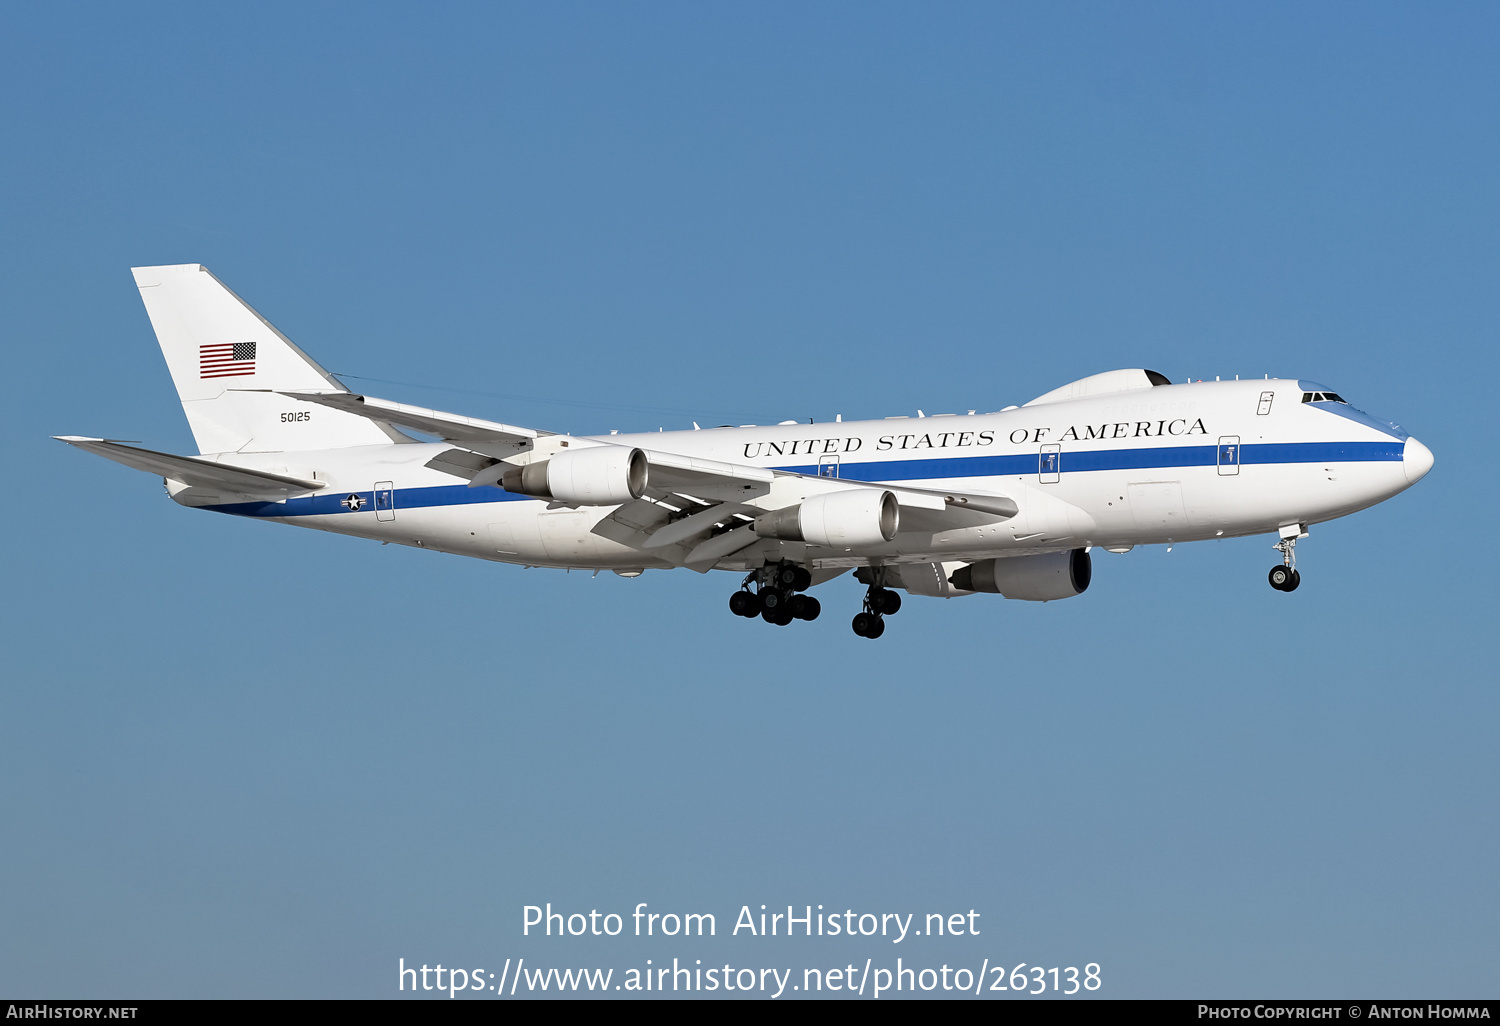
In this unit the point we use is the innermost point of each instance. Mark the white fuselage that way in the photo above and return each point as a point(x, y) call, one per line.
point(1171, 463)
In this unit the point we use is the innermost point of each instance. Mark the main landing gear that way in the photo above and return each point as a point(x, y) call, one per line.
point(880, 602)
point(777, 598)
point(774, 593)
point(1285, 577)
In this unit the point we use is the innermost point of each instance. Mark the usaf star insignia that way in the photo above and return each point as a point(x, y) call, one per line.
point(353, 503)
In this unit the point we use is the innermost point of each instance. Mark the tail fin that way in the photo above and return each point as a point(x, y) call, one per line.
point(228, 363)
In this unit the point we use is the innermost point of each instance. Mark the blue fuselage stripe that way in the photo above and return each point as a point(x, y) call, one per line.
point(894, 470)
point(1117, 459)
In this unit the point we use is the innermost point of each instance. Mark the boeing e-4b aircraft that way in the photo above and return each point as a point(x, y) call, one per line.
point(1009, 503)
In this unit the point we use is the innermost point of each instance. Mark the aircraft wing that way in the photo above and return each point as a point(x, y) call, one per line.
point(697, 511)
point(470, 432)
point(713, 479)
point(671, 474)
point(190, 470)
point(707, 479)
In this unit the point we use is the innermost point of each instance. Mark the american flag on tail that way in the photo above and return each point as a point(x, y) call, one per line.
point(226, 360)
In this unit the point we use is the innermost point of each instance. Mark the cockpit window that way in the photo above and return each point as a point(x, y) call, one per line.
point(1323, 397)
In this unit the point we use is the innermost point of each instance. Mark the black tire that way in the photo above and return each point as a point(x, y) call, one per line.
point(786, 577)
point(863, 622)
point(739, 603)
point(811, 607)
point(877, 630)
point(786, 617)
point(890, 602)
point(772, 600)
point(797, 603)
point(804, 579)
point(1292, 584)
point(1280, 577)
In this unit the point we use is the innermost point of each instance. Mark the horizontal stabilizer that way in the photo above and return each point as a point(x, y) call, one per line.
point(452, 426)
point(190, 470)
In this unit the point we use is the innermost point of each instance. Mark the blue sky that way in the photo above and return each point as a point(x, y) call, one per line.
point(244, 760)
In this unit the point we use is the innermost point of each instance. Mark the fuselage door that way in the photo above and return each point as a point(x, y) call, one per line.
point(828, 466)
point(1229, 455)
point(385, 500)
point(1049, 464)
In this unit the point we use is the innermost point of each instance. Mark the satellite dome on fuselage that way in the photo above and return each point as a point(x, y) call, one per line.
point(1101, 384)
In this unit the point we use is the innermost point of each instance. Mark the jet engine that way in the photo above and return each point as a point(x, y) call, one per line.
point(843, 519)
point(1053, 575)
point(605, 475)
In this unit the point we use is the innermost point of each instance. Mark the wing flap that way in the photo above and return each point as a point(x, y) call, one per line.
point(680, 531)
point(464, 463)
point(707, 553)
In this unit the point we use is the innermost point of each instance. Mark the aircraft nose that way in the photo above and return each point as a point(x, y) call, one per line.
point(1416, 461)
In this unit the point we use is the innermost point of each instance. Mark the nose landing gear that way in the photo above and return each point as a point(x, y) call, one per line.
point(776, 598)
point(1285, 577)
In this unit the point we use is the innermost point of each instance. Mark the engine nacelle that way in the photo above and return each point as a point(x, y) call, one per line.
point(604, 475)
point(853, 517)
point(1053, 575)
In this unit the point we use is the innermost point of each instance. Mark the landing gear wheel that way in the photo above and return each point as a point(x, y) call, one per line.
point(811, 607)
point(744, 603)
point(1285, 577)
point(776, 606)
point(789, 577)
point(863, 622)
point(886, 601)
point(877, 630)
